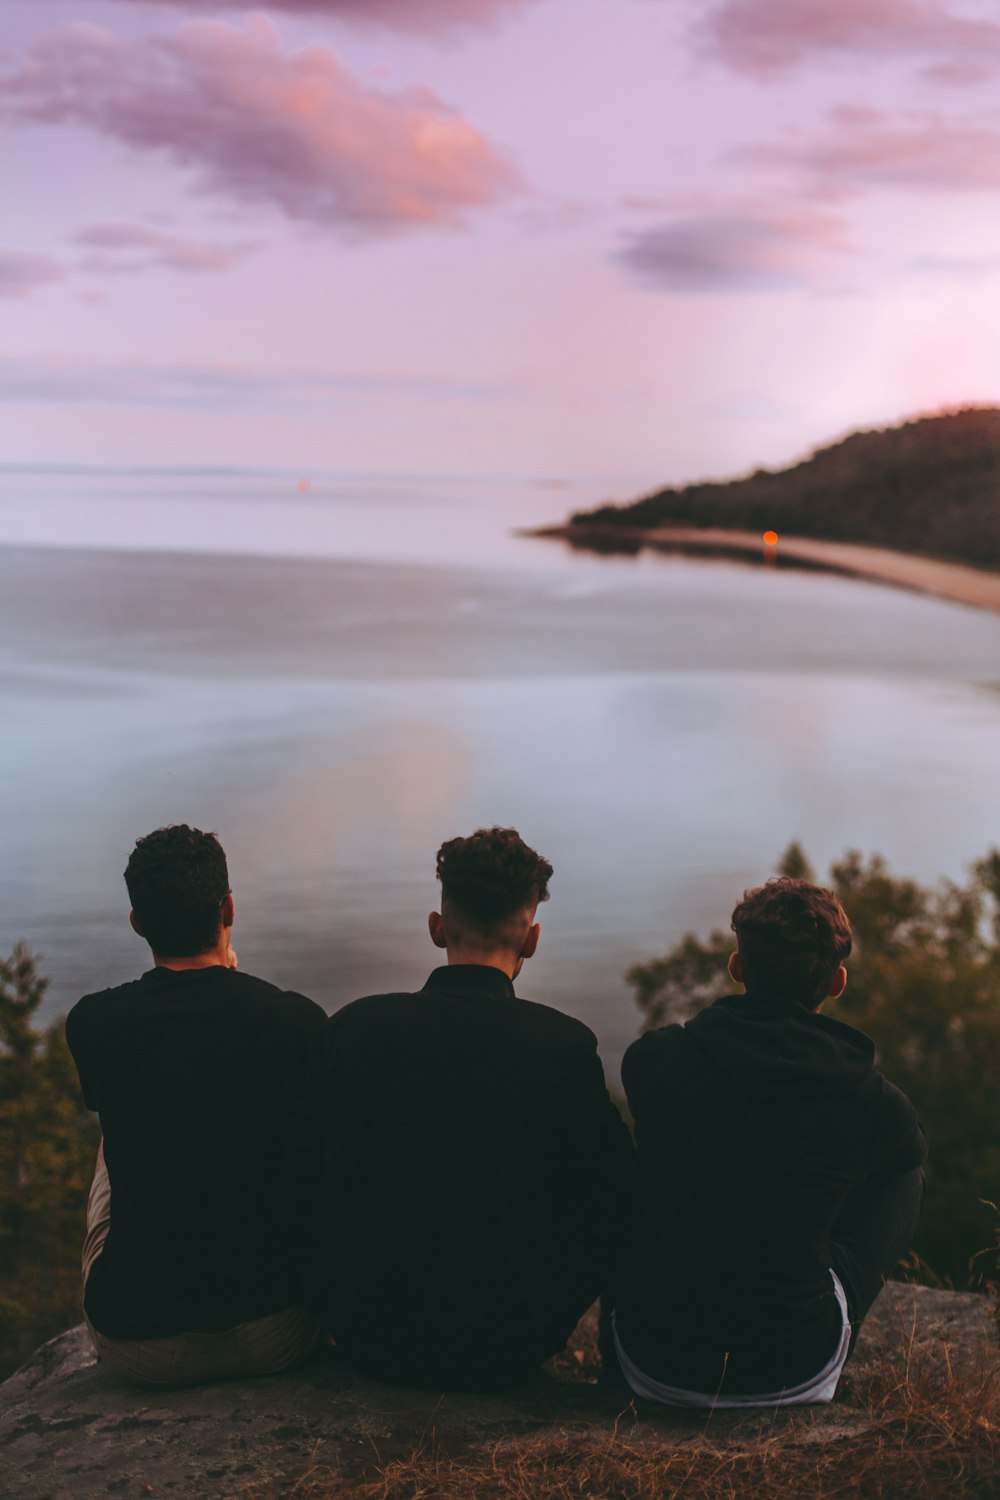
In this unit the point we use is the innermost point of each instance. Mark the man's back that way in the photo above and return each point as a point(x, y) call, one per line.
point(194, 1073)
point(754, 1123)
point(472, 1174)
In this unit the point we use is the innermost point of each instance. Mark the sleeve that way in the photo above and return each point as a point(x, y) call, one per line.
point(307, 1127)
point(75, 1042)
point(599, 1148)
point(901, 1144)
point(640, 1062)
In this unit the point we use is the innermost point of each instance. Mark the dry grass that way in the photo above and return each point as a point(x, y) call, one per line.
point(927, 1434)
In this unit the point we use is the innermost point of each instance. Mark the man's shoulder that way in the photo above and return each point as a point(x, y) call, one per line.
point(99, 1003)
point(104, 1005)
point(284, 1006)
point(662, 1041)
point(524, 1015)
point(549, 1021)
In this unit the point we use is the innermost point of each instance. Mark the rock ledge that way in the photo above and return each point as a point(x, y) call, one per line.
point(71, 1430)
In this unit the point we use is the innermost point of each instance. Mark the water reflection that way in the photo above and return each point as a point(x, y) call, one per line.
point(661, 736)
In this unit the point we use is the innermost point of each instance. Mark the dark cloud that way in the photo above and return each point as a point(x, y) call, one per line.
point(764, 37)
point(296, 131)
point(738, 250)
point(22, 273)
point(406, 15)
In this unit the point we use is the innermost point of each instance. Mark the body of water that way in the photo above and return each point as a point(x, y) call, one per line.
point(336, 682)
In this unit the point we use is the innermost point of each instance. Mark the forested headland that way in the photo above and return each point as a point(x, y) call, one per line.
point(930, 486)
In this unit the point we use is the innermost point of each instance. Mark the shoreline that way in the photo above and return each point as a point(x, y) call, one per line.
point(956, 582)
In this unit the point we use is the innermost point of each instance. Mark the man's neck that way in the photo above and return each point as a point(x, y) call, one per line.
point(210, 960)
point(508, 963)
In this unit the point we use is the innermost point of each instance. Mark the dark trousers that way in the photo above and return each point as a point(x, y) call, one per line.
point(874, 1229)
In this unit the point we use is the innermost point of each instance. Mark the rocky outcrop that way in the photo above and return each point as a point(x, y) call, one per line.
point(71, 1430)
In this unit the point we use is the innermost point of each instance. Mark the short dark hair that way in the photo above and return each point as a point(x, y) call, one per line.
point(792, 936)
point(491, 875)
point(177, 880)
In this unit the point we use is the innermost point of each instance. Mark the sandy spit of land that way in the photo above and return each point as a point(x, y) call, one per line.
point(945, 580)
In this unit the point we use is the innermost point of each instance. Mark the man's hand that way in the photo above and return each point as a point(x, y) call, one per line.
point(232, 962)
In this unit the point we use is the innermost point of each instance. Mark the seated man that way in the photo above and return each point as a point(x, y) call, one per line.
point(193, 1070)
point(779, 1175)
point(472, 1163)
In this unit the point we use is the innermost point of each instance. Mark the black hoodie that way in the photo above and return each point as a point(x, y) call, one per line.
point(753, 1122)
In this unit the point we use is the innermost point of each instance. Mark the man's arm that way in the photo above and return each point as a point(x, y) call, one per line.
point(597, 1149)
point(901, 1145)
point(77, 1046)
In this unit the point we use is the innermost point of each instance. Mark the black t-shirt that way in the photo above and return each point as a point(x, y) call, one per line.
point(193, 1073)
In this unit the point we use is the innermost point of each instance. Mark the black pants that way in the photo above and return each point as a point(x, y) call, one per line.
point(874, 1229)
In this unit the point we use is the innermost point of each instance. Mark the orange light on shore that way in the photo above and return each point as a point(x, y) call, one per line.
point(770, 538)
point(304, 486)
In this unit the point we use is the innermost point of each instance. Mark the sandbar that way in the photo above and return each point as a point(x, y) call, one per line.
point(945, 580)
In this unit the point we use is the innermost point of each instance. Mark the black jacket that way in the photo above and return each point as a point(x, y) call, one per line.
point(471, 1177)
point(753, 1122)
point(194, 1074)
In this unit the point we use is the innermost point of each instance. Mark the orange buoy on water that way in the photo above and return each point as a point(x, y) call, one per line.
point(770, 538)
point(304, 486)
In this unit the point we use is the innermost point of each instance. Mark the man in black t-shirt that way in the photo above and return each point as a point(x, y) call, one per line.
point(193, 1070)
point(779, 1175)
point(471, 1164)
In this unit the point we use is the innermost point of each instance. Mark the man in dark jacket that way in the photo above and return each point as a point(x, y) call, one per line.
point(193, 1070)
point(779, 1175)
point(472, 1161)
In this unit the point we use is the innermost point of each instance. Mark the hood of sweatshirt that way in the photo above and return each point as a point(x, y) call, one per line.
point(768, 1047)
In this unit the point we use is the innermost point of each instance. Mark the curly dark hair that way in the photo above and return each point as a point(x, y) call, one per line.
point(177, 880)
point(491, 875)
point(793, 936)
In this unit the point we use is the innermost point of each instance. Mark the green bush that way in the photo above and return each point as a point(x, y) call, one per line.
point(47, 1146)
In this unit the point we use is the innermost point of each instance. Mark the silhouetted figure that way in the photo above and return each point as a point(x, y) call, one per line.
point(472, 1161)
point(779, 1175)
point(193, 1070)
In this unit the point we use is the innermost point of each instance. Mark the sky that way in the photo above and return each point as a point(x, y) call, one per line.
point(626, 242)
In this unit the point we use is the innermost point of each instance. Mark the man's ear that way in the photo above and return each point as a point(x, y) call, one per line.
point(134, 924)
point(228, 911)
point(838, 984)
point(435, 926)
point(735, 967)
point(530, 943)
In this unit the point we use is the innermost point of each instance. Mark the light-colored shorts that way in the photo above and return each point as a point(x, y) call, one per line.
point(819, 1387)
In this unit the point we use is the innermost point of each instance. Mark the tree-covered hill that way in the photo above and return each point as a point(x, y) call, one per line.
point(930, 486)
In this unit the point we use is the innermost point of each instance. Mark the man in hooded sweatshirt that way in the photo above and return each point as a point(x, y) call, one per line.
point(779, 1175)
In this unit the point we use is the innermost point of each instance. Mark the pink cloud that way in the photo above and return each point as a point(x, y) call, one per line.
point(406, 15)
point(744, 249)
point(297, 131)
point(119, 247)
point(21, 273)
point(861, 148)
point(769, 36)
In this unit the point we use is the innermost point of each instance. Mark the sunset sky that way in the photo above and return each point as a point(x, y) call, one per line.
point(643, 239)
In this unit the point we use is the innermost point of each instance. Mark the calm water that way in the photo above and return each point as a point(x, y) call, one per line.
point(660, 729)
